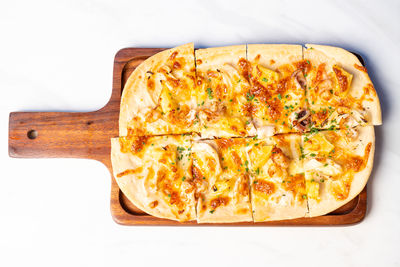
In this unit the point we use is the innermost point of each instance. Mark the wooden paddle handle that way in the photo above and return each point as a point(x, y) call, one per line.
point(62, 134)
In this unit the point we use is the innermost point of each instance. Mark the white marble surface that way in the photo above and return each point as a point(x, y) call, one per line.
point(58, 55)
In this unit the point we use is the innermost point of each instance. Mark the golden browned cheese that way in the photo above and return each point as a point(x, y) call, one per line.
point(342, 79)
point(369, 90)
point(181, 117)
point(277, 95)
point(236, 158)
point(225, 143)
point(357, 163)
point(132, 144)
point(150, 84)
point(175, 199)
point(177, 65)
point(283, 85)
point(153, 204)
point(219, 201)
point(244, 185)
point(319, 75)
point(279, 158)
point(137, 131)
point(260, 91)
point(265, 187)
point(362, 68)
point(275, 108)
point(196, 173)
point(244, 67)
point(321, 115)
point(303, 65)
point(173, 55)
point(296, 185)
point(343, 194)
point(128, 172)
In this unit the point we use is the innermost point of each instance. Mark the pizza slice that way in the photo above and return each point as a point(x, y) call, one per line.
point(220, 171)
point(337, 166)
point(155, 174)
point(340, 93)
point(277, 91)
point(277, 178)
point(221, 92)
point(158, 98)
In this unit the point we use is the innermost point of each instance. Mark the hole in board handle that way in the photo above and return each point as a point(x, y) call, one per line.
point(32, 134)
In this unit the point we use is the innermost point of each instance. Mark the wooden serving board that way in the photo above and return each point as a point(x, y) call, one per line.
point(87, 135)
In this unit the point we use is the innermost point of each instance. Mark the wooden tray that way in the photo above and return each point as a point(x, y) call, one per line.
point(87, 135)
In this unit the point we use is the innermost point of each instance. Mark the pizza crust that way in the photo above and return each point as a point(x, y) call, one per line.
point(274, 55)
point(218, 56)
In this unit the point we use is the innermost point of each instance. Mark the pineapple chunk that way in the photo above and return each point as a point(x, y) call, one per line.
point(327, 167)
point(264, 76)
point(318, 143)
point(312, 188)
point(259, 155)
point(222, 186)
point(295, 167)
point(342, 80)
point(166, 102)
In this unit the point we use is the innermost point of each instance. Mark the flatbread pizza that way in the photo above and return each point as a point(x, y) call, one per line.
point(246, 133)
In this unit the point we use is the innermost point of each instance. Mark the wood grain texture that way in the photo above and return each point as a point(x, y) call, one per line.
point(87, 135)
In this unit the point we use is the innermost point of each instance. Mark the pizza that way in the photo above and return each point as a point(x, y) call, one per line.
point(339, 91)
point(277, 88)
point(336, 166)
point(278, 188)
point(220, 167)
point(155, 174)
point(222, 92)
point(158, 96)
point(245, 133)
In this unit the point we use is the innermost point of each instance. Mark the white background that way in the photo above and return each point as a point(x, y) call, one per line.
point(58, 56)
